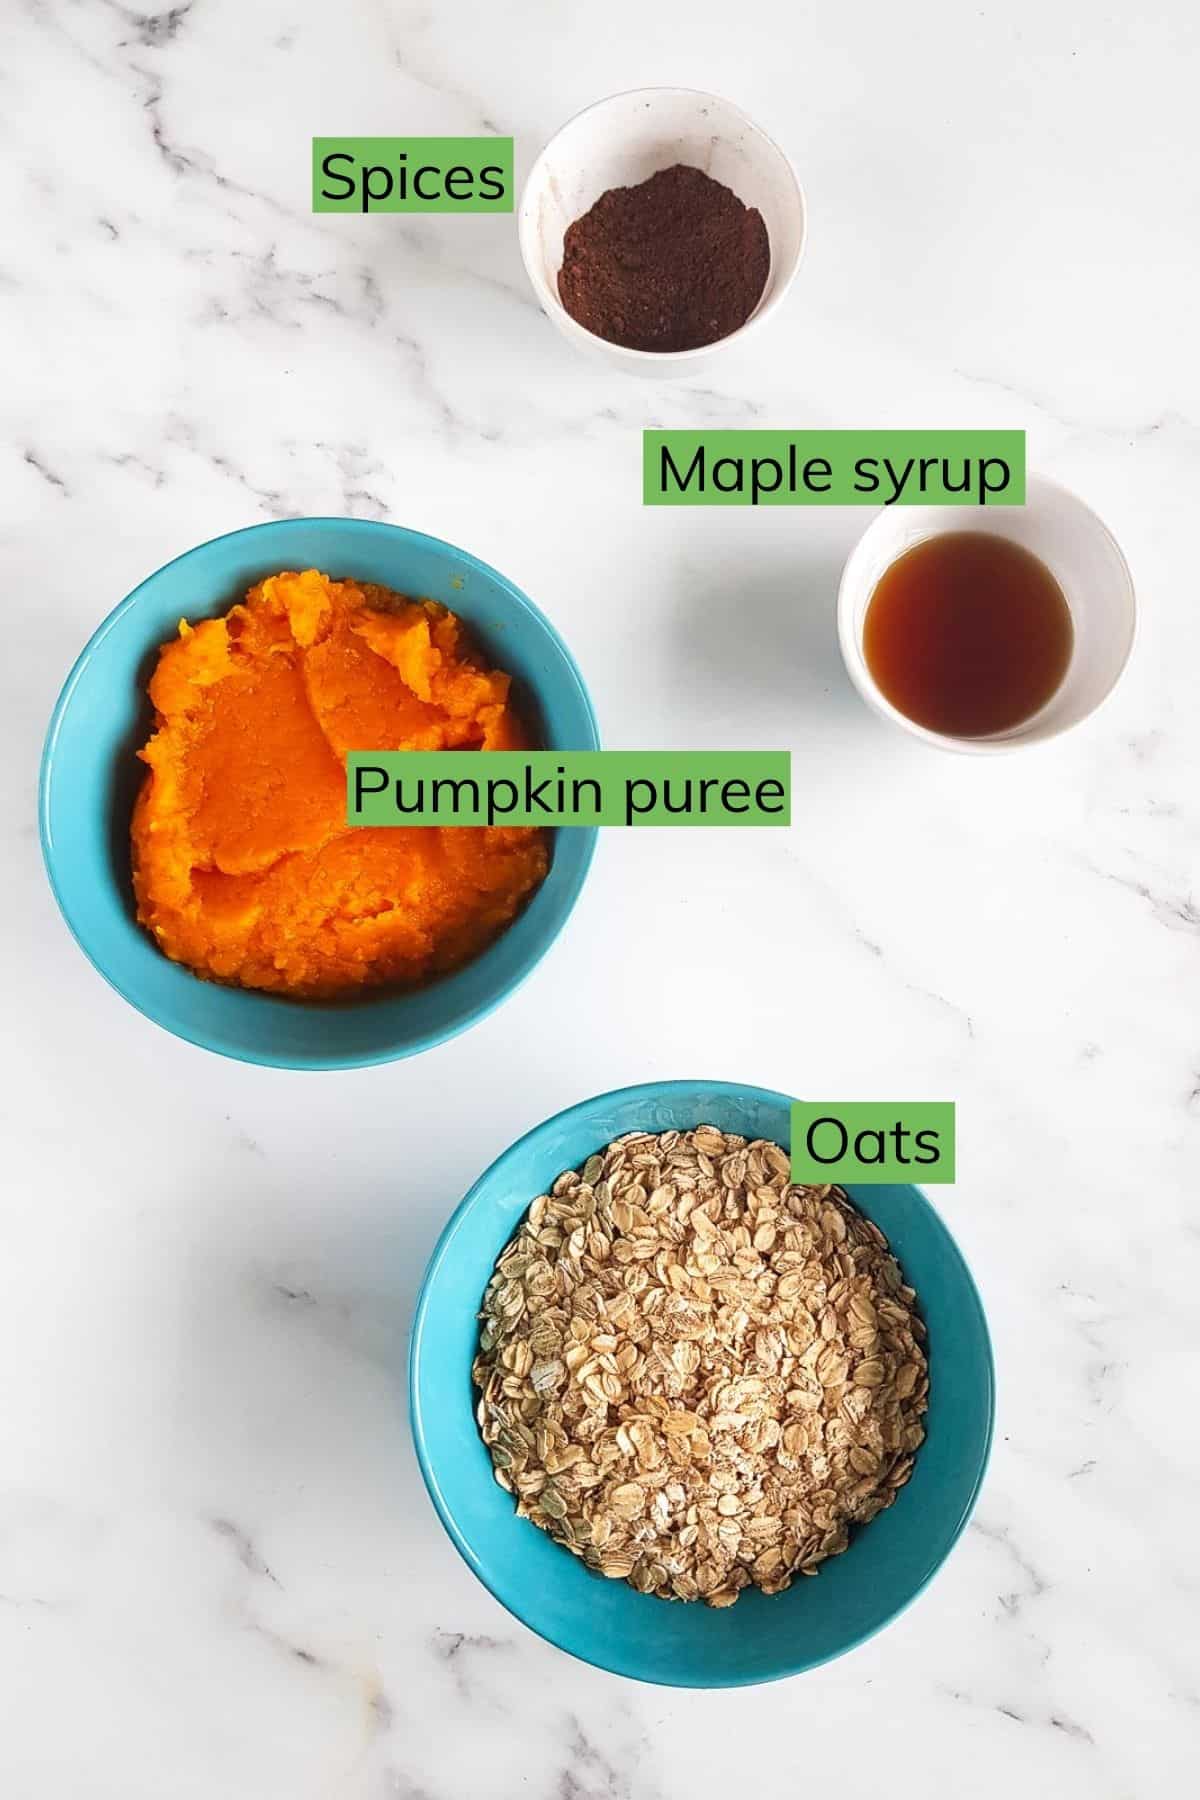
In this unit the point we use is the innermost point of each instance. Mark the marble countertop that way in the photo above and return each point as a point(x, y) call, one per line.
point(219, 1573)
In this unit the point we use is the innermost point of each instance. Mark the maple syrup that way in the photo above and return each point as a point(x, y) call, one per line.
point(968, 634)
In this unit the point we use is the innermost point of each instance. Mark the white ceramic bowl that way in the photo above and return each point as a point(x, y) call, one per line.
point(623, 140)
point(1080, 552)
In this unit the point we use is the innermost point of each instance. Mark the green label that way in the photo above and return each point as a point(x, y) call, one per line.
point(833, 468)
point(568, 787)
point(872, 1140)
point(412, 174)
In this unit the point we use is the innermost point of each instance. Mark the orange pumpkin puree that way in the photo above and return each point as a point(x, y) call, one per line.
point(243, 865)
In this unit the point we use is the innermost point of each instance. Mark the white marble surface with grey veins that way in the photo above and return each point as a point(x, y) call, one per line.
point(219, 1574)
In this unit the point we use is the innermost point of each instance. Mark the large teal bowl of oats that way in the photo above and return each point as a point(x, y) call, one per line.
point(607, 1622)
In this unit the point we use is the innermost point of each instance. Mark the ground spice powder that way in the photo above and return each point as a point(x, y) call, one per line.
point(671, 264)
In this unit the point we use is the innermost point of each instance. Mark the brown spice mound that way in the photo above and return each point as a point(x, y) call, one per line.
point(671, 264)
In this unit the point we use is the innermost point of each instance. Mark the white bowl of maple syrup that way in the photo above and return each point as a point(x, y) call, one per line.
point(981, 630)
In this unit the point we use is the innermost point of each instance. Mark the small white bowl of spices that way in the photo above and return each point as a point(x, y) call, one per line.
point(659, 226)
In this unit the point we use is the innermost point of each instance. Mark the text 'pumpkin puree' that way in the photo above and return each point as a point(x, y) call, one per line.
point(243, 864)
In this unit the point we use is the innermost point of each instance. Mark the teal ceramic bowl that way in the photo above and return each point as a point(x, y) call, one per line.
point(90, 777)
point(606, 1622)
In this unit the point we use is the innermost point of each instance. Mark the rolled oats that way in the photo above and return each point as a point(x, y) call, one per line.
point(695, 1376)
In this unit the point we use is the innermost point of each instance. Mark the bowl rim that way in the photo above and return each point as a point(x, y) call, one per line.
point(617, 1664)
point(553, 307)
point(321, 1062)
